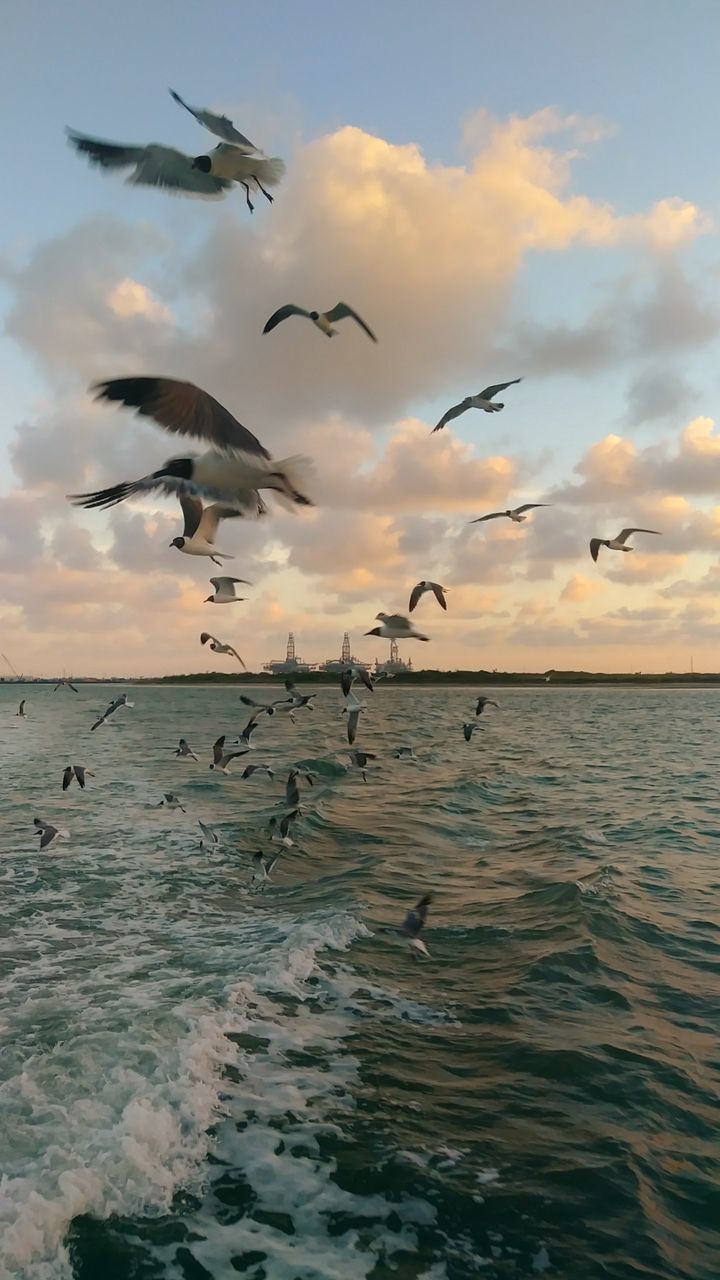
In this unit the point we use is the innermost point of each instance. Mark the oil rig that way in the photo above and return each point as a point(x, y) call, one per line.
point(291, 665)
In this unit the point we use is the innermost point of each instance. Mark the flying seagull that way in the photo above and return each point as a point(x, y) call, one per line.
point(383, 675)
point(299, 699)
point(217, 646)
point(355, 672)
point(261, 869)
point(77, 771)
point(153, 165)
point(224, 592)
point(122, 701)
point(395, 627)
point(421, 588)
point(469, 729)
point(359, 760)
point(21, 709)
point(250, 769)
point(184, 750)
point(65, 682)
point(483, 400)
point(292, 790)
point(198, 536)
point(280, 828)
point(619, 543)
point(413, 924)
point(514, 513)
point(234, 466)
point(267, 707)
point(248, 731)
point(208, 835)
point(48, 833)
point(482, 703)
point(323, 320)
point(221, 757)
point(170, 801)
point(221, 126)
point(404, 753)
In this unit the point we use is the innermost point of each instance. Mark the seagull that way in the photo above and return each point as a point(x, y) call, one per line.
point(515, 513)
point(413, 923)
point(383, 675)
point(360, 760)
point(48, 833)
point(395, 627)
point(221, 126)
point(227, 163)
point(355, 672)
point(66, 682)
point(169, 801)
point(292, 791)
point(299, 699)
point(122, 701)
point(21, 709)
point(283, 826)
point(78, 772)
point(201, 524)
point(208, 835)
point(482, 703)
point(224, 592)
point(261, 869)
point(250, 769)
point(234, 466)
point(323, 320)
point(469, 729)
point(404, 753)
point(421, 588)
point(153, 166)
point(483, 400)
point(353, 707)
point(221, 757)
point(248, 731)
point(182, 749)
point(267, 707)
point(218, 647)
point(617, 544)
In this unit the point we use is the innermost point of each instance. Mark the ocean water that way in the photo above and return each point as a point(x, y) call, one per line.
point(199, 1081)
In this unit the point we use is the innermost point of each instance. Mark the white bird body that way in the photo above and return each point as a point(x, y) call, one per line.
point(235, 165)
point(395, 627)
point(224, 592)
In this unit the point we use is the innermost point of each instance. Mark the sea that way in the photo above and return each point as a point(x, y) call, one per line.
point(200, 1079)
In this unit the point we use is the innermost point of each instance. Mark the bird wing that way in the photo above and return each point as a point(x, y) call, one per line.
point(211, 517)
point(364, 676)
point(67, 777)
point(103, 498)
point(292, 688)
point(235, 654)
point(221, 126)
point(595, 544)
point(80, 775)
point(489, 392)
point(205, 636)
point(48, 835)
point(625, 533)
point(415, 595)
point(183, 408)
point(449, 414)
point(97, 723)
point(71, 686)
point(208, 832)
point(398, 621)
point(494, 515)
point(231, 755)
point(467, 731)
point(352, 724)
point(192, 509)
point(250, 728)
point(439, 594)
point(109, 155)
point(341, 310)
point(224, 583)
point(530, 506)
point(346, 679)
point(415, 919)
point(283, 313)
point(218, 749)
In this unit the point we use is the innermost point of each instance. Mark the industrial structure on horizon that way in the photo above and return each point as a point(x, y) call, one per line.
point(291, 664)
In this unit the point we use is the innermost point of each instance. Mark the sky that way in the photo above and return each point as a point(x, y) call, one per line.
point(518, 190)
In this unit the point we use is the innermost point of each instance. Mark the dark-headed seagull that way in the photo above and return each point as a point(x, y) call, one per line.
point(122, 701)
point(221, 757)
point(184, 751)
point(299, 699)
point(483, 400)
point(48, 833)
point(64, 682)
point(360, 759)
point(421, 588)
point(234, 465)
point(395, 627)
point(77, 771)
point(413, 924)
point(280, 828)
point(261, 869)
point(618, 543)
point(201, 523)
point(323, 320)
point(482, 703)
point(208, 835)
point(355, 672)
point(513, 513)
point(224, 592)
point(227, 163)
point(251, 769)
point(404, 753)
point(353, 707)
point(170, 801)
point(217, 646)
point(21, 709)
point(469, 729)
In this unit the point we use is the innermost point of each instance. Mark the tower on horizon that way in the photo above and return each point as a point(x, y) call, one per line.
point(346, 652)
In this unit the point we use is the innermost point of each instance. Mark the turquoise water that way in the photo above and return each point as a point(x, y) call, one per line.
point(198, 1080)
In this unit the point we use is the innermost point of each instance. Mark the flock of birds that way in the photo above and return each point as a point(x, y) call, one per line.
point(227, 480)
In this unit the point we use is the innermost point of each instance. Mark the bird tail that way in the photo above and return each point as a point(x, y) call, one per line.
point(291, 476)
point(269, 169)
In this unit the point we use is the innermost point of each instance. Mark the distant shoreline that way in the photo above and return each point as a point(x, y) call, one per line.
point(525, 680)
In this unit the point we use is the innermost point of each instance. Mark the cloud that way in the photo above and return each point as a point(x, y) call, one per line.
point(578, 589)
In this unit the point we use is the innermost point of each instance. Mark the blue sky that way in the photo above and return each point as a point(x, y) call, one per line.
point(409, 73)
